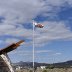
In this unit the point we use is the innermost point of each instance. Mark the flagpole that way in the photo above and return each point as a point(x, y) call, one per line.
point(39, 26)
point(33, 47)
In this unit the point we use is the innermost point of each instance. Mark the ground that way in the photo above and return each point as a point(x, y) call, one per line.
point(49, 70)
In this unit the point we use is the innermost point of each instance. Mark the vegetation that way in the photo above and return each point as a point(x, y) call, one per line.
point(30, 71)
point(44, 70)
point(56, 67)
point(49, 70)
point(50, 67)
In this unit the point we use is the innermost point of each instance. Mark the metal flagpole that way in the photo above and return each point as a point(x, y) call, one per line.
point(39, 26)
point(33, 47)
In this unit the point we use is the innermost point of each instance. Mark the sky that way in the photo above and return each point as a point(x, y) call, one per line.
point(53, 42)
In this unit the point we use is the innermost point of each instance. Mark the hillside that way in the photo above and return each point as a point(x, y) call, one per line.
point(56, 65)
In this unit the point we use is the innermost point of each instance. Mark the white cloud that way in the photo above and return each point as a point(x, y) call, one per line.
point(43, 51)
point(11, 40)
point(56, 2)
point(57, 54)
point(17, 12)
point(70, 2)
point(53, 31)
point(20, 32)
point(21, 53)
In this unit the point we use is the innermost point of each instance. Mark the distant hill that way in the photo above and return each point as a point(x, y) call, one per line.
point(29, 64)
point(56, 65)
point(63, 64)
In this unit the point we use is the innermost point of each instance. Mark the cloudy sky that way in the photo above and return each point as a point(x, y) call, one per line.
point(53, 43)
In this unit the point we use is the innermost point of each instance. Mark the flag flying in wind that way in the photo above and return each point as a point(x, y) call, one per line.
point(38, 24)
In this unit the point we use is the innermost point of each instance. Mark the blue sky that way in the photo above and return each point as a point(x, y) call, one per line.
point(53, 43)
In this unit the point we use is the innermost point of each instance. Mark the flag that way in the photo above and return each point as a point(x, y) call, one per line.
point(38, 24)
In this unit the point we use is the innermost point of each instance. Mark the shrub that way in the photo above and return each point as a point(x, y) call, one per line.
point(44, 70)
point(50, 67)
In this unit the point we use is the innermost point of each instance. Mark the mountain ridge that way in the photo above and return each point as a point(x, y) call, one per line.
point(57, 65)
